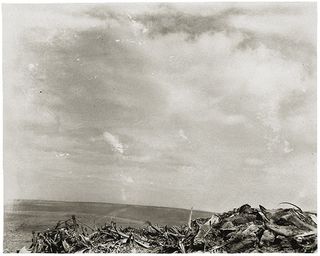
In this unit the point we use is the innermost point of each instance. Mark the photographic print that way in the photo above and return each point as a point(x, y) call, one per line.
point(160, 127)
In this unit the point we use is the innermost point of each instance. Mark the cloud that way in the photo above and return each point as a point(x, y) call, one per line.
point(292, 24)
point(62, 155)
point(287, 147)
point(254, 162)
point(235, 79)
point(201, 88)
point(183, 135)
point(114, 142)
point(126, 179)
point(123, 194)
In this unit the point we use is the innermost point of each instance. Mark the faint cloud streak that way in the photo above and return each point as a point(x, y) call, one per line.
point(114, 142)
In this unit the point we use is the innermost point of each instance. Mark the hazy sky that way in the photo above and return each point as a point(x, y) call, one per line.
point(203, 105)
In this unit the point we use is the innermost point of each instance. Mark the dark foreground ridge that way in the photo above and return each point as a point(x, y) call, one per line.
point(243, 229)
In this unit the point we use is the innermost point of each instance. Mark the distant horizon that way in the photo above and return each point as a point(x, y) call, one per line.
point(154, 206)
point(140, 205)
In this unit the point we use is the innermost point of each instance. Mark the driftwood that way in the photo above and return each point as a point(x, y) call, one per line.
point(242, 230)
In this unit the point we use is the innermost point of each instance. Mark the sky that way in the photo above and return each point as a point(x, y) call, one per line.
point(181, 105)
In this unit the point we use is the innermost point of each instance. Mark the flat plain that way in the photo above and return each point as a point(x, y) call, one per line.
point(21, 217)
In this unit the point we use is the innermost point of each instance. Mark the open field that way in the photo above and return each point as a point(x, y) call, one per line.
point(24, 216)
point(114, 228)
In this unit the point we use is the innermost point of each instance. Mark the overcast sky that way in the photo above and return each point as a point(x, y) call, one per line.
point(203, 105)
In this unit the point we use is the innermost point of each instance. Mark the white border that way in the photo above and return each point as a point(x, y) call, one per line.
point(137, 1)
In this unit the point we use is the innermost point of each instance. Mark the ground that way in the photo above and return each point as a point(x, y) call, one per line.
point(24, 216)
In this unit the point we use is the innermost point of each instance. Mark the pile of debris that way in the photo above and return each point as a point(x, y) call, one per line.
point(244, 229)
